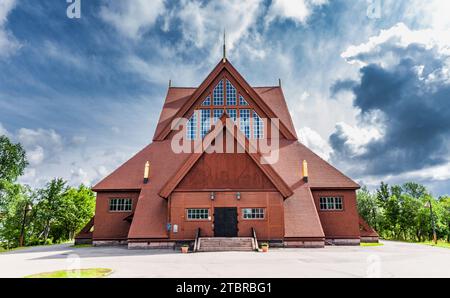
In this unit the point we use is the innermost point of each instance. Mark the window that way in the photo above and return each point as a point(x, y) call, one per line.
point(217, 113)
point(244, 116)
point(218, 94)
point(192, 127)
point(120, 205)
point(231, 94)
point(232, 113)
point(198, 214)
point(207, 102)
point(331, 203)
point(205, 118)
point(258, 126)
point(253, 213)
point(242, 101)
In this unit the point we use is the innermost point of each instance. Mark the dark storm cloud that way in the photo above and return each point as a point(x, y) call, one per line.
point(416, 114)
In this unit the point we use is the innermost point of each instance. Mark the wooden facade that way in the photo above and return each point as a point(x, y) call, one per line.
point(227, 194)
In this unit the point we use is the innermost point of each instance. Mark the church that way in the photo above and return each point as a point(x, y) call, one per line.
point(226, 171)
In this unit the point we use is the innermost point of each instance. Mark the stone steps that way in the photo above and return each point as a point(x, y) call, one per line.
point(226, 244)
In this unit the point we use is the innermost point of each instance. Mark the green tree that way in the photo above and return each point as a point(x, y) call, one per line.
point(368, 207)
point(12, 160)
point(50, 202)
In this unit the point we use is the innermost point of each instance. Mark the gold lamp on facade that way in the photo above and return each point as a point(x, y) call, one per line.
point(146, 172)
point(305, 171)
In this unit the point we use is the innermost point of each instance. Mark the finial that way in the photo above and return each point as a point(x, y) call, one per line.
point(224, 46)
point(170, 83)
point(279, 82)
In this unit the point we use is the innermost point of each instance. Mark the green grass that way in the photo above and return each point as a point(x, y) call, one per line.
point(371, 244)
point(82, 273)
point(440, 243)
point(4, 250)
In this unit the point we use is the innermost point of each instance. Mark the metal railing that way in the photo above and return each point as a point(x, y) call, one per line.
point(255, 240)
point(197, 241)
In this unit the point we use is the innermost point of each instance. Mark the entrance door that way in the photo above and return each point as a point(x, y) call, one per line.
point(225, 222)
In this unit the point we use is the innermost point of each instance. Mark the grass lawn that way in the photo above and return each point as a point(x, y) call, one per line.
point(371, 244)
point(440, 243)
point(82, 273)
point(2, 250)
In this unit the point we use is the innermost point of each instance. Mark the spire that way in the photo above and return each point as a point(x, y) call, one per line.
point(224, 46)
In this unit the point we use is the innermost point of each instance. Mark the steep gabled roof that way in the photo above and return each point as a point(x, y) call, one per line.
point(267, 169)
point(180, 100)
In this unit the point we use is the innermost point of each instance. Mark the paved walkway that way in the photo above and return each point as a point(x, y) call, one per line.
point(394, 259)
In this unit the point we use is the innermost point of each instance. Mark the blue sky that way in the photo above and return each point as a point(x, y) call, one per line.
point(368, 91)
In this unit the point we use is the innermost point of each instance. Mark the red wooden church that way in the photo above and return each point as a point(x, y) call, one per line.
point(162, 197)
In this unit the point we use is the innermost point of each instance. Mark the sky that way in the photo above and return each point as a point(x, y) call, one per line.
point(367, 81)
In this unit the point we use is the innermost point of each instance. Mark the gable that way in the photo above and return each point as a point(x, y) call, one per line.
point(225, 171)
point(225, 69)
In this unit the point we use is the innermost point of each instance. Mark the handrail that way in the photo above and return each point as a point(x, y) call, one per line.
point(255, 239)
point(197, 242)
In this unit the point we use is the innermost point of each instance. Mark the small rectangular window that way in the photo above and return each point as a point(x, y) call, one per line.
point(197, 214)
point(253, 213)
point(206, 121)
point(331, 203)
point(120, 205)
point(258, 126)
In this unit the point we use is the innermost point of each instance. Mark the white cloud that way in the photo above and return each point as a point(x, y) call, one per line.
point(36, 155)
point(398, 36)
point(202, 23)
point(295, 10)
point(358, 137)
point(3, 131)
point(312, 139)
point(8, 44)
point(132, 17)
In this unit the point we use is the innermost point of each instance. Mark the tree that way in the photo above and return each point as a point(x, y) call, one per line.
point(78, 206)
point(50, 201)
point(367, 206)
point(12, 160)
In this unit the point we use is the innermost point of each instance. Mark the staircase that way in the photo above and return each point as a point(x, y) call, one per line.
point(226, 244)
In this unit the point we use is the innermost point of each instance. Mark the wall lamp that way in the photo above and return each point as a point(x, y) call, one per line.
point(238, 196)
point(212, 196)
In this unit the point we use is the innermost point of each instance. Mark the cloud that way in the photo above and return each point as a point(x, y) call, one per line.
point(8, 43)
point(312, 139)
point(132, 17)
point(201, 22)
point(402, 96)
point(295, 10)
